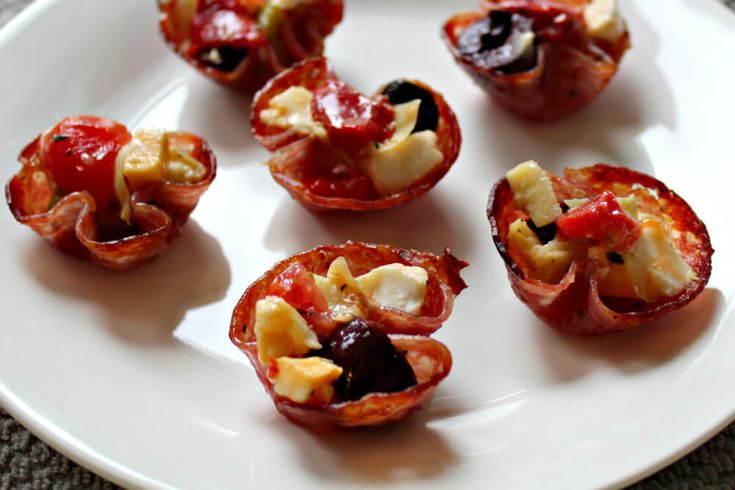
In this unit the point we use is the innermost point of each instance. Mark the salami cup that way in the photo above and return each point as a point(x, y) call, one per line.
point(243, 43)
point(600, 249)
point(540, 59)
point(337, 149)
point(100, 193)
point(340, 334)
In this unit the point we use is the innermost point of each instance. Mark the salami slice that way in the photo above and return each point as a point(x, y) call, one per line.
point(429, 359)
point(585, 300)
point(243, 43)
point(76, 223)
point(540, 59)
point(320, 170)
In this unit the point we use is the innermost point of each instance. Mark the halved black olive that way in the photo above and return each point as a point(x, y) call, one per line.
point(224, 58)
point(501, 41)
point(544, 233)
point(370, 362)
point(400, 91)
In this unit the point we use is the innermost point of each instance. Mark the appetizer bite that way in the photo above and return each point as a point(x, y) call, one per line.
point(542, 60)
point(601, 249)
point(243, 43)
point(339, 334)
point(100, 193)
point(337, 149)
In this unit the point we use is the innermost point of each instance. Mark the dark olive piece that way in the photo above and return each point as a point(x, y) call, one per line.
point(400, 91)
point(493, 42)
point(544, 233)
point(615, 257)
point(224, 58)
point(370, 362)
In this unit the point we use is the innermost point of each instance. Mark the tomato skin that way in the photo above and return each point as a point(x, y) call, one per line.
point(218, 27)
point(80, 152)
point(601, 219)
point(297, 287)
point(352, 120)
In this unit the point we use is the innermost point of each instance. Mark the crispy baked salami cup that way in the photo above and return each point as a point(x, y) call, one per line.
point(339, 292)
point(98, 193)
point(337, 149)
point(243, 43)
point(622, 250)
point(542, 60)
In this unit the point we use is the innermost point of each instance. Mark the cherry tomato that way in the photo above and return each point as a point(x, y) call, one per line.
point(297, 287)
point(79, 153)
point(601, 219)
point(352, 120)
point(219, 27)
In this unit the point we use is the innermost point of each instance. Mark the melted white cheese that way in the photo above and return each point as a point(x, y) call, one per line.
point(602, 19)
point(281, 331)
point(341, 291)
point(292, 109)
point(396, 286)
point(533, 191)
point(302, 379)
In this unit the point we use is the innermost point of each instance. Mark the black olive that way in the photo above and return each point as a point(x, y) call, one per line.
point(400, 91)
point(544, 233)
point(490, 42)
point(224, 58)
point(370, 362)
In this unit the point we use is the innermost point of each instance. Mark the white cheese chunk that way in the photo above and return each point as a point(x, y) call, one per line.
point(652, 268)
point(533, 191)
point(341, 291)
point(281, 331)
point(394, 168)
point(396, 286)
point(292, 109)
point(548, 262)
point(148, 158)
point(404, 121)
point(303, 379)
point(602, 19)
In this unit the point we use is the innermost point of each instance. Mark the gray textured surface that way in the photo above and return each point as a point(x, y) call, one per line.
point(28, 463)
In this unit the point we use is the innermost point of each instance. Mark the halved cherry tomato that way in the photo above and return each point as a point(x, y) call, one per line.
point(79, 153)
point(601, 219)
point(352, 120)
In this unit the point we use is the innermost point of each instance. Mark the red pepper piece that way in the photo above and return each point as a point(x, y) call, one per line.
point(352, 120)
point(601, 219)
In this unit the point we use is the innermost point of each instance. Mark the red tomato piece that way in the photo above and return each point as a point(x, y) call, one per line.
point(217, 27)
point(352, 120)
point(80, 152)
point(601, 219)
point(297, 287)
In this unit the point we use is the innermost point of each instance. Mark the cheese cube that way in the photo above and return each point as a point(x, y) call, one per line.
point(144, 157)
point(533, 191)
point(396, 286)
point(292, 109)
point(602, 19)
point(341, 291)
point(281, 331)
point(302, 379)
point(404, 120)
point(394, 168)
point(548, 262)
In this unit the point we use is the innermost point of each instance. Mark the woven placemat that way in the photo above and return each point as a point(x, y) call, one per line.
point(28, 463)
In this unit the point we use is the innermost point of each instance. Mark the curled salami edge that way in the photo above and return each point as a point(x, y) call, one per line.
point(574, 304)
point(430, 359)
point(293, 149)
point(159, 210)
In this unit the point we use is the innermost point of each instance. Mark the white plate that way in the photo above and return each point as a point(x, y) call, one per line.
point(132, 374)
